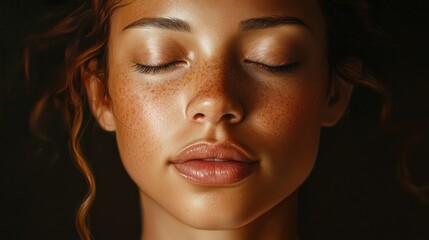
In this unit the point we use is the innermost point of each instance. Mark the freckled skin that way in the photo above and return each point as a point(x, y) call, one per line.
point(213, 95)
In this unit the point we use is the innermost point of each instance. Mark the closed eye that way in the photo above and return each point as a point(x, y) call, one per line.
point(287, 68)
point(149, 69)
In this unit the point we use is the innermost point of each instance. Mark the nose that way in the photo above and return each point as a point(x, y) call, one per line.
point(214, 110)
point(215, 102)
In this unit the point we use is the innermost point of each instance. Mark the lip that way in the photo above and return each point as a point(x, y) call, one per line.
point(215, 164)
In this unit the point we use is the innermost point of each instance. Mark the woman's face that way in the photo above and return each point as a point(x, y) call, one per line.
point(218, 105)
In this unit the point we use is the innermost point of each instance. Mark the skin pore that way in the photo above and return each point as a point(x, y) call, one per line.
point(249, 73)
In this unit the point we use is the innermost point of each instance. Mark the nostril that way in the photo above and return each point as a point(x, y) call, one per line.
point(198, 116)
point(214, 111)
point(229, 117)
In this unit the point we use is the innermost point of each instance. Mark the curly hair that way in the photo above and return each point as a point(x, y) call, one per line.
point(83, 35)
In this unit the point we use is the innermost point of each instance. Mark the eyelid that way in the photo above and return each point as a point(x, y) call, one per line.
point(276, 69)
point(155, 69)
point(264, 63)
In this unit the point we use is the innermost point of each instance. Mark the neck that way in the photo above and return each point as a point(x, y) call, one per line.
point(279, 222)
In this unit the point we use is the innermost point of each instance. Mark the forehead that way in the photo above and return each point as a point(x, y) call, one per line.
point(219, 13)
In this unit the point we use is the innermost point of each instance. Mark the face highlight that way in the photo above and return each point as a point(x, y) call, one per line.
point(252, 73)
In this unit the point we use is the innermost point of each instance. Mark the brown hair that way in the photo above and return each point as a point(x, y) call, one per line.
point(349, 39)
point(83, 36)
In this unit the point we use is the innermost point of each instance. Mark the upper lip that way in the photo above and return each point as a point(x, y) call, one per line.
point(222, 151)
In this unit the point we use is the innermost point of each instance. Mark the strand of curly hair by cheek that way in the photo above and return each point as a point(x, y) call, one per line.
point(80, 36)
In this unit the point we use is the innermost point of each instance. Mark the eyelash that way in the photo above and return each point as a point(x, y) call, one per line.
point(146, 69)
point(288, 68)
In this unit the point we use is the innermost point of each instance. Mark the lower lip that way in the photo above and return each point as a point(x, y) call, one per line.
point(216, 172)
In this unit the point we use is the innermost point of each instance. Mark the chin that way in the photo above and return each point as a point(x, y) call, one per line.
point(221, 220)
point(227, 211)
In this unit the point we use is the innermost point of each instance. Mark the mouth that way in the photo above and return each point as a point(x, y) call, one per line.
point(215, 164)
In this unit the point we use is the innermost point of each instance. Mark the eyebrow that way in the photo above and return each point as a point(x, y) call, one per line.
point(174, 24)
point(270, 21)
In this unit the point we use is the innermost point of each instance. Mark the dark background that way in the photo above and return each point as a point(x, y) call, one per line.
point(353, 193)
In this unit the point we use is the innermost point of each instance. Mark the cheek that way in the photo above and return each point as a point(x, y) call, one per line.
point(286, 132)
point(290, 111)
point(142, 113)
point(286, 117)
